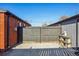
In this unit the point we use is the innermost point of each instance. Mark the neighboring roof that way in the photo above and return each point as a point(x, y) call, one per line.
point(6, 11)
point(65, 20)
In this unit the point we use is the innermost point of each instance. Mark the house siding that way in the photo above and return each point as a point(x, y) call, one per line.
point(2, 31)
point(8, 34)
point(78, 34)
point(70, 27)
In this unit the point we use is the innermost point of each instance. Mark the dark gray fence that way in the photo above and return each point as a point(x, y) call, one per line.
point(41, 33)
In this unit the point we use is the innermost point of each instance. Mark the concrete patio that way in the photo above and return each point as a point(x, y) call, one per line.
point(36, 45)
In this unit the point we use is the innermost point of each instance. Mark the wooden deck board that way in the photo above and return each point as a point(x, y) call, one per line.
point(42, 52)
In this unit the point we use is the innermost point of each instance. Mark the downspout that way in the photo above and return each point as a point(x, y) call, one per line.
point(8, 41)
point(76, 32)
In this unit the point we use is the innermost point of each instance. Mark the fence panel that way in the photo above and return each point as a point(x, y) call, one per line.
point(41, 33)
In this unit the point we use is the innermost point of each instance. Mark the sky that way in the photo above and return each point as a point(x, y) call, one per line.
point(40, 13)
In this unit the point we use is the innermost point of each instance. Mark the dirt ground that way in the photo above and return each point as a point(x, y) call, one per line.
point(35, 45)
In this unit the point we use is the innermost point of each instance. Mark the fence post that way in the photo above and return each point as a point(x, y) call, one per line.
point(40, 34)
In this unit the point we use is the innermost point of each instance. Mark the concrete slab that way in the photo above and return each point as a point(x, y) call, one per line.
point(35, 45)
